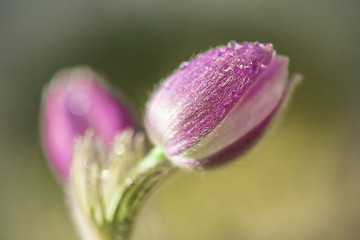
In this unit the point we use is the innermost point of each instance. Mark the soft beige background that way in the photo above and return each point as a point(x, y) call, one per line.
point(301, 183)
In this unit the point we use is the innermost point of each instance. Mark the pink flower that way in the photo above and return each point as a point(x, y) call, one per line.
point(216, 106)
point(77, 100)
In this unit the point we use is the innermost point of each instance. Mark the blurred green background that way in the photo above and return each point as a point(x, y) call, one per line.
point(301, 182)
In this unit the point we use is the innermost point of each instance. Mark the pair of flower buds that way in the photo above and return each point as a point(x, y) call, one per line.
point(208, 111)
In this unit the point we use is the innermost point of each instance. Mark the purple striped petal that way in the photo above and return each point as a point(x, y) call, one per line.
point(215, 100)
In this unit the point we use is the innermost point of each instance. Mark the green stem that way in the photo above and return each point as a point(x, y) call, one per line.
point(132, 193)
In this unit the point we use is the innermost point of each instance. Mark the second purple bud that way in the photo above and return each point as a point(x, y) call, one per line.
point(77, 100)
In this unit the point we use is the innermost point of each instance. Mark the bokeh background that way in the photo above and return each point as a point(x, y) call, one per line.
point(301, 182)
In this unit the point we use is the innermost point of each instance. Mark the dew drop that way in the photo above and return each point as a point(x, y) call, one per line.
point(129, 181)
point(119, 149)
point(105, 174)
point(232, 43)
point(222, 49)
point(230, 54)
point(183, 65)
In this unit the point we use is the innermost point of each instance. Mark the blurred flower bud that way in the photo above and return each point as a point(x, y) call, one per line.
point(76, 100)
point(215, 106)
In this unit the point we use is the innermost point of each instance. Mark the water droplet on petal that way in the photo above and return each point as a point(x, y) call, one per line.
point(183, 65)
point(231, 43)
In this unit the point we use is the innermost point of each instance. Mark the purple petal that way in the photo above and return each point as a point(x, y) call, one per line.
point(217, 103)
point(195, 99)
point(75, 101)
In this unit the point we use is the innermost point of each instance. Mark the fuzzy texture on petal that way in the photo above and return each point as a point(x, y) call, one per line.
point(216, 99)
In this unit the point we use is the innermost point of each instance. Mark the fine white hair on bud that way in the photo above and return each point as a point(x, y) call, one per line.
point(215, 107)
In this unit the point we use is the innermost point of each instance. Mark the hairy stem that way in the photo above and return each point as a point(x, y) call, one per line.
point(138, 185)
point(115, 219)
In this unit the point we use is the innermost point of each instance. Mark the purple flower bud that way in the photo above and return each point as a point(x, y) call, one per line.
point(215, 106)
point(76, 100)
